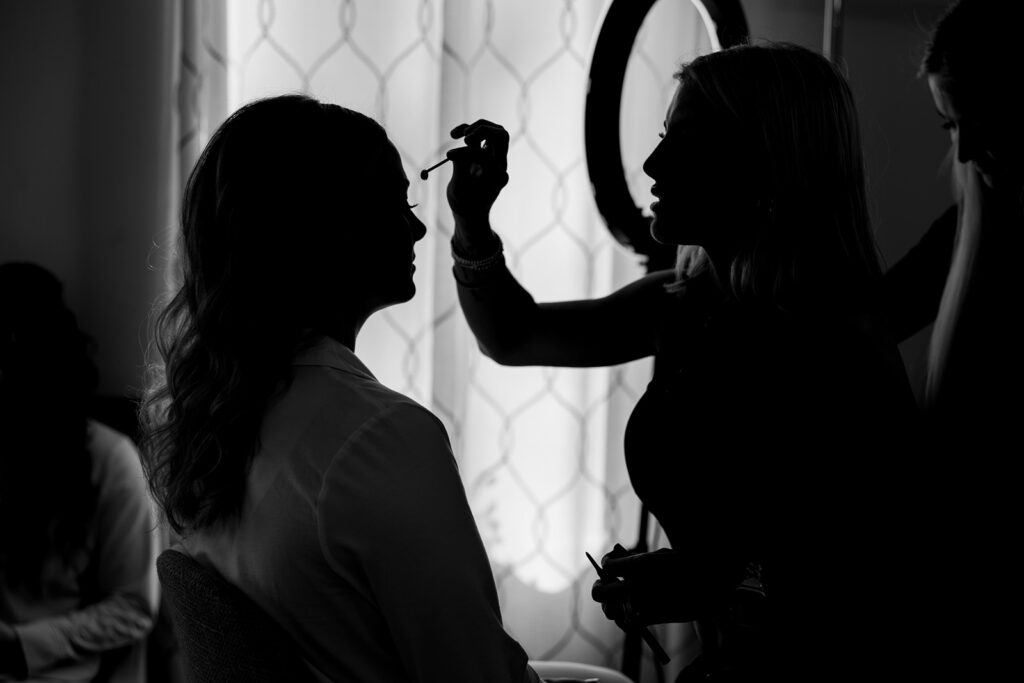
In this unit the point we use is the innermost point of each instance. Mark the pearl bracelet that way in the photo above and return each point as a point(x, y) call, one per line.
point(480, 264)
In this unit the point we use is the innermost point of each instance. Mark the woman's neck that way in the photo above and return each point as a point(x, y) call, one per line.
point(344, 330)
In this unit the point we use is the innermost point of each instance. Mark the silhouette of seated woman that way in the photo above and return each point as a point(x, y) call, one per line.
point(756, 443)
point(77, 580)
point(332, 501)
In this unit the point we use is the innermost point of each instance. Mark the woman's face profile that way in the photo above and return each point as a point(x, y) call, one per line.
point(694, 184)
point(980, 134)
point(384, 245)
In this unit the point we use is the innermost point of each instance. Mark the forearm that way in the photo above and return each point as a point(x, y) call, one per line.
point(500, 312)
point(114, 622)
point(474, 239)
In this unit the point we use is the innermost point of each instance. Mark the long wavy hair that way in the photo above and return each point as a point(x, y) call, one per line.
point(47, 382)
point(794, 114)
point(263, 221)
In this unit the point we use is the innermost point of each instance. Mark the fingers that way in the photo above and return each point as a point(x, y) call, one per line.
point(489, 137)
point(621, 566)
point(612, 595)
point(464, 129)
point(484, 135)
point(464, 158)
point(480, 169)
point(457, 154)
point(634, 564)
point(470, 161)
point(615, 553)
point(606, 590)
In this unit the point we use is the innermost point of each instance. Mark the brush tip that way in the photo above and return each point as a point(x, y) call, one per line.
point(423, 175)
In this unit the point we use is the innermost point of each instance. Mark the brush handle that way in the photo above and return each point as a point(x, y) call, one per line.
point(425, 172)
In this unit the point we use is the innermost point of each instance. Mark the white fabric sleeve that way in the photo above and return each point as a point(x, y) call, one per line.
point(392, 498)
point(125, 570)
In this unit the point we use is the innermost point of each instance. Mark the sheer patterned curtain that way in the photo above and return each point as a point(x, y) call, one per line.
point(539, 449)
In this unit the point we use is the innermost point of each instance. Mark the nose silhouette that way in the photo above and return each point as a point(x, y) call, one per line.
point(650, 164)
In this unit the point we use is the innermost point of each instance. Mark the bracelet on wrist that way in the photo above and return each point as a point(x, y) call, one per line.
point(485, 263)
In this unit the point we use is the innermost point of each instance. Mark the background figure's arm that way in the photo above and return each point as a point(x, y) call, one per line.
point(125, 573)
point(912, 289)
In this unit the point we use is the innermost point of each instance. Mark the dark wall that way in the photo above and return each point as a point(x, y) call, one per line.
point(85, 133)
point(903, 142)
point(904, 147)
point(40, 49)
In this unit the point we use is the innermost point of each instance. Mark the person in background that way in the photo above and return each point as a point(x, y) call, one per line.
point(972, 346)
point(330, 500)
point(970, 51)
point(965, 276)
point(761, 444)
point(78, 588)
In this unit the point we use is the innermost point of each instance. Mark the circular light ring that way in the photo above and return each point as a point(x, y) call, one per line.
point(727, 26)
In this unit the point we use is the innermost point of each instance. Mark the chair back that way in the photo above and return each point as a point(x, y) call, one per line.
point(223, 636)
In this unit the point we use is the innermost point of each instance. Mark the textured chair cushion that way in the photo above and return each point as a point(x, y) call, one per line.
point(224, 637)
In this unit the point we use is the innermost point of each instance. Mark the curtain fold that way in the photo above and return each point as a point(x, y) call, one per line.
point(539, 449)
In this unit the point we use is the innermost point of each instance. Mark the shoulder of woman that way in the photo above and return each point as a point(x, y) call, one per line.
point(409, 415)
point(115, 458)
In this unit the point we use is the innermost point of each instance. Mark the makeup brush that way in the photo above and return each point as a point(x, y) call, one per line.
point(474, 169)
point(425, 172)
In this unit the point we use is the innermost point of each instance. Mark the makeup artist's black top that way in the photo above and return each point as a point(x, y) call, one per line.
point(761, 437)
point(774, 439)
point(742, 398)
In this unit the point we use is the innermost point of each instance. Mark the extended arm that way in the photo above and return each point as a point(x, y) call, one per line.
point(513, 329)
point(509, 325)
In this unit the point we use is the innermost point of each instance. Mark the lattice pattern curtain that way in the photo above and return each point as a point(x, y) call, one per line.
point(539, 449)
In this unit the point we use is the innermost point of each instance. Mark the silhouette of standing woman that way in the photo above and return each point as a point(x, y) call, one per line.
point(756, 443)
